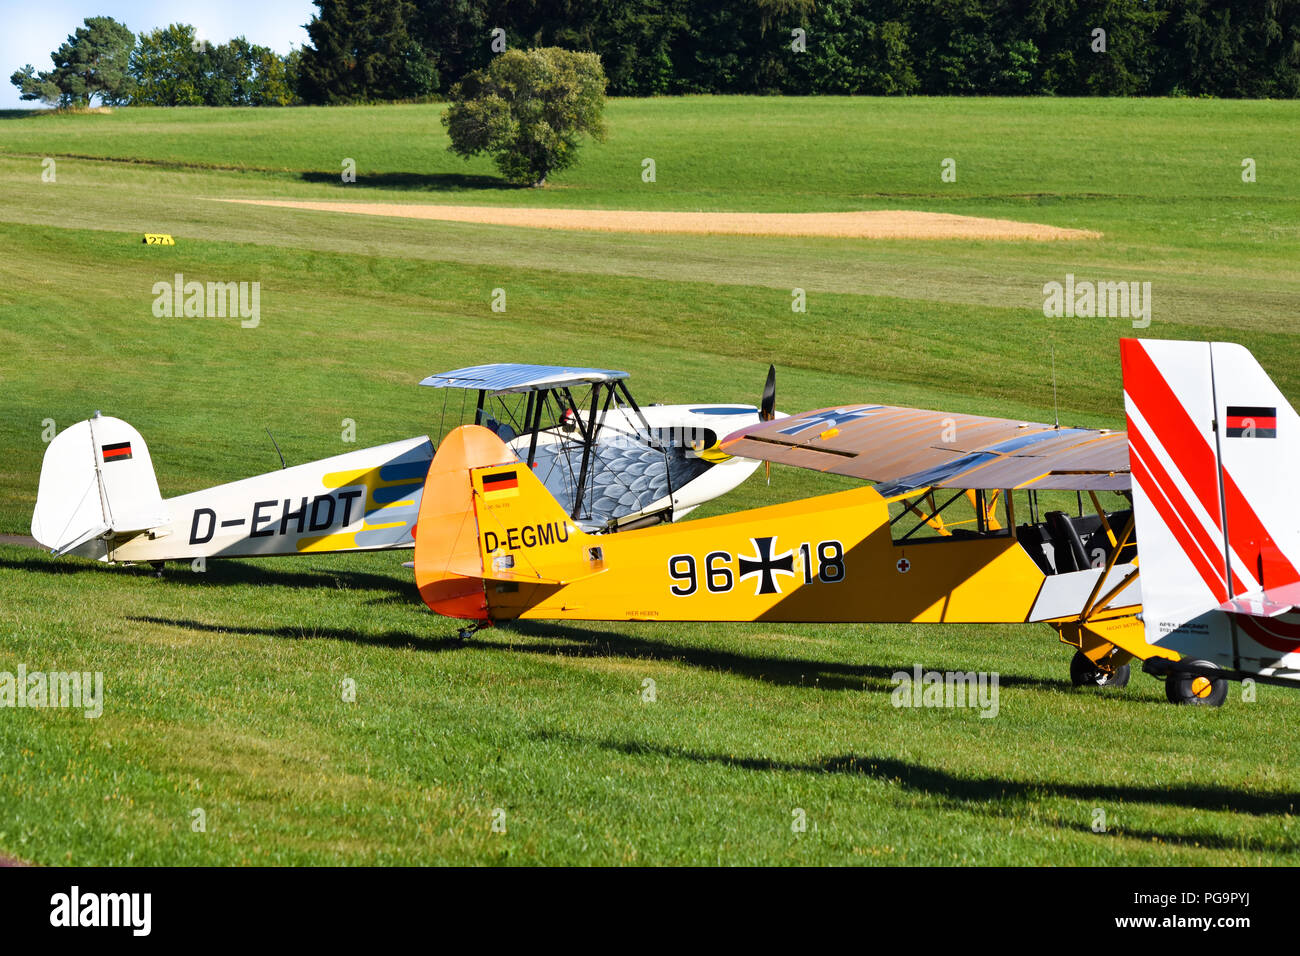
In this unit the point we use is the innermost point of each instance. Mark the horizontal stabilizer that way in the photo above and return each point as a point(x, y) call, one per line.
point(89, 534)
point(1271, 602)
point(558, 575)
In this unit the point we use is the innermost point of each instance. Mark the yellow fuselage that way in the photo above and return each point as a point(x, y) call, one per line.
point(823, 559)
point(492, 544)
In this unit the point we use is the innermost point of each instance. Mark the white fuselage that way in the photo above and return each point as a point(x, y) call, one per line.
point(363, 500)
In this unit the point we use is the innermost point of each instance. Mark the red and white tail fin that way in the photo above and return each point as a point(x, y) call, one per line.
point(1214, 449)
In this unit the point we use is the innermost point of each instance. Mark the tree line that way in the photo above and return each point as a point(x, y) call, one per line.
point(375, 50)
point(171, 66)
point(386, 49)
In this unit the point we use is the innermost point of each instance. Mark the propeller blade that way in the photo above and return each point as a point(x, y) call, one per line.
point(767, 410)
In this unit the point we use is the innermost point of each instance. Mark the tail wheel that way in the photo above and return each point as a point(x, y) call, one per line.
point(1084, 673)
point(1195, 689)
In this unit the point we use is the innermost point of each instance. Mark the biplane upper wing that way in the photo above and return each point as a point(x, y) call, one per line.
point(908, 448)
point(506, 378)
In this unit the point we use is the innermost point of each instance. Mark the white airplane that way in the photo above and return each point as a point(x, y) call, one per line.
point(610, 463)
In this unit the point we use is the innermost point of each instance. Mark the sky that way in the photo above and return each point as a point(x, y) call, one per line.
point(31, 29)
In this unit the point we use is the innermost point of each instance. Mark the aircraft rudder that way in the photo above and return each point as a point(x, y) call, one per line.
point(448, 566)
point(97, 480)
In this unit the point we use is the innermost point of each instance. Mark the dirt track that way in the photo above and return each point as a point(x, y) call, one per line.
point(879, 224)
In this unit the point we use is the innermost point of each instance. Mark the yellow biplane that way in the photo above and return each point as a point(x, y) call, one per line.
point(969, 519)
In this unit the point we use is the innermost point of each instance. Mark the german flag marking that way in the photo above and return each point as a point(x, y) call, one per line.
point(502, 484)
point(119, 452)
point(1251, 421)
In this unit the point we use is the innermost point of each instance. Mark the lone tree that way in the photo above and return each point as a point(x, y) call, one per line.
point(528, 109)
point(92, 62)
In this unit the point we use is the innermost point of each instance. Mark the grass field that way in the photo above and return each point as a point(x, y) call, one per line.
point(223, 688)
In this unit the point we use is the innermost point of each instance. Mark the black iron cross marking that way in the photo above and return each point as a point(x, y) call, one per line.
point(830, 419)
point(766, 566)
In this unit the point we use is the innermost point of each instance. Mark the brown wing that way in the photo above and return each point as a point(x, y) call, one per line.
point(906, 448)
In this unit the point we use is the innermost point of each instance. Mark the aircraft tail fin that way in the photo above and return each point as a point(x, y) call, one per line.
point(486, 520)
point(97, 483)
point(1214, 447)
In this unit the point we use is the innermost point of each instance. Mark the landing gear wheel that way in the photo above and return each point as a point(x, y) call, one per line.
point(1084, 673)
point(1195, 689)
point(467, 633)
point(1117, 677)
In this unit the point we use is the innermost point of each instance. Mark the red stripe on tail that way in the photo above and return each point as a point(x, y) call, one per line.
point(1201, 553)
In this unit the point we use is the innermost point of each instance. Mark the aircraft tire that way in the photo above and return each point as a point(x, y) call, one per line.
point(1084, 673)
point(1195, 690)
